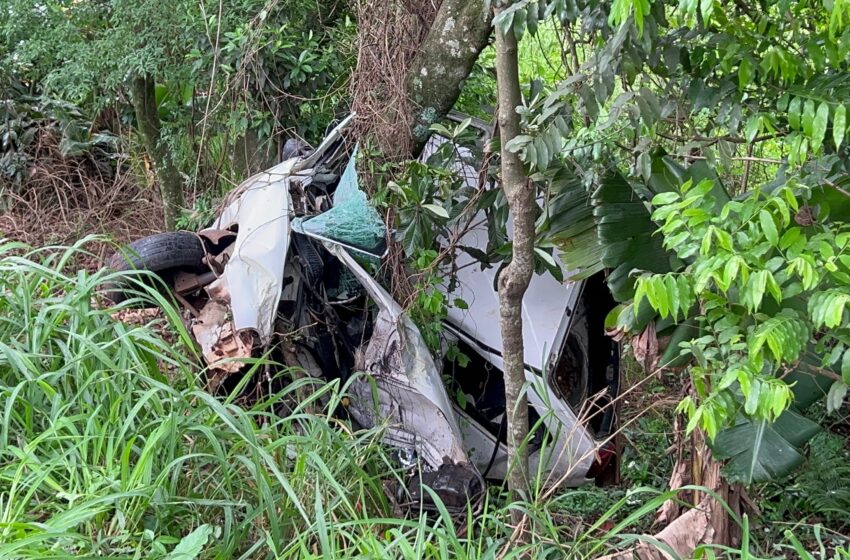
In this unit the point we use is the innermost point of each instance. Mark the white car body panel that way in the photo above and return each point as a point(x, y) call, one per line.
point(262, 209)
point(413, 401)
point(545, 309)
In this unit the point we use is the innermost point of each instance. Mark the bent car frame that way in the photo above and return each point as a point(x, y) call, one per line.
point(290, 263)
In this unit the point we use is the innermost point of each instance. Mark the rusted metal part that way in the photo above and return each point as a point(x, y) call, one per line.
point(222, 345)
point(185, 303)
point(188, 282)
point(218, 238)
point(219, 261)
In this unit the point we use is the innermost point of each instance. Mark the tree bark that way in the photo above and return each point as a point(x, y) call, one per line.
point(413, 58)
point(706, 521)
point(251, 154)
point(457, 36)
point(147, 117)
point(514, 279)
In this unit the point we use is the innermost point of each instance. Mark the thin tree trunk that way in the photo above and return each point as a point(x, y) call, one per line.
point(514, 279)
point(147, 116)
point(251, 154)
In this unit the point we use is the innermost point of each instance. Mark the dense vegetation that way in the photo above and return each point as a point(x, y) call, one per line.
point(695, 151)
point(112, 447)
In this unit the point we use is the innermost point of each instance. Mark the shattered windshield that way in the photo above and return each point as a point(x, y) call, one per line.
point(352, 221)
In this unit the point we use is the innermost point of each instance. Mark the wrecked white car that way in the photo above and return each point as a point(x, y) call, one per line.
point(288, 264)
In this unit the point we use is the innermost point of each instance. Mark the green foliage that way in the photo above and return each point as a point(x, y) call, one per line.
point(431, 203)
point(819, 491)
point(430, 306)
point(425, 199)
point(645, 461)
point(695, 77)
point(202, 214)
point(94, 434)
point(30, 122)
point(111, 447)
point(752, 289)
point(767, 290)
point(229, 82)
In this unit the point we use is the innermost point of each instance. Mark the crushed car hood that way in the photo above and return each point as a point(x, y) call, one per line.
point(261, 208)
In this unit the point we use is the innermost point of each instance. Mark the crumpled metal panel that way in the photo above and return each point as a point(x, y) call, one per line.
point(218, 337)
point(412, 398)
point(261, 207)
point(254, 273)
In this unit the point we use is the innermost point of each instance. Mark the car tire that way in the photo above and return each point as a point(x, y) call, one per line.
point(163, 254)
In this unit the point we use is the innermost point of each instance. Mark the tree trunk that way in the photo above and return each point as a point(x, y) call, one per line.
point(514, 279)
point(147, 116)
point(705, 520)
point(413, 58)
point(251, 154)
point(457, 36)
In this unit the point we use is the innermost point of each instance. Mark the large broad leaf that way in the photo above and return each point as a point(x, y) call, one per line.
point(610, 229)
point(626, 231)
point(757, 450)
point(806, 383)
point(569, 225)
point(613, 229)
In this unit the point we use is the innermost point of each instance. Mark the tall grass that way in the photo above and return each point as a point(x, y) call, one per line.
point(110, 447)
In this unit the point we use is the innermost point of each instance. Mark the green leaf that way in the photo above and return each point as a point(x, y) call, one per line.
point(752, 401)
point(835, 396)
point(839, 125)
point(665, 198)
point(543, 154)
point(745, 74)
point(757, 450)
point(773, 288)
point(437, 210)
point(730, 271)
point(515, 144)
point(706, 9)
point(752, 129)
point(785, 335)
point(768, 226)
point(754, 290)
point(808, 117)
point(845, 366)
point(441, 130)
point(794, 112)
point(672, 289)
point(545, 257)
point(827, 308)
point(191, 545)
point(819, 126)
